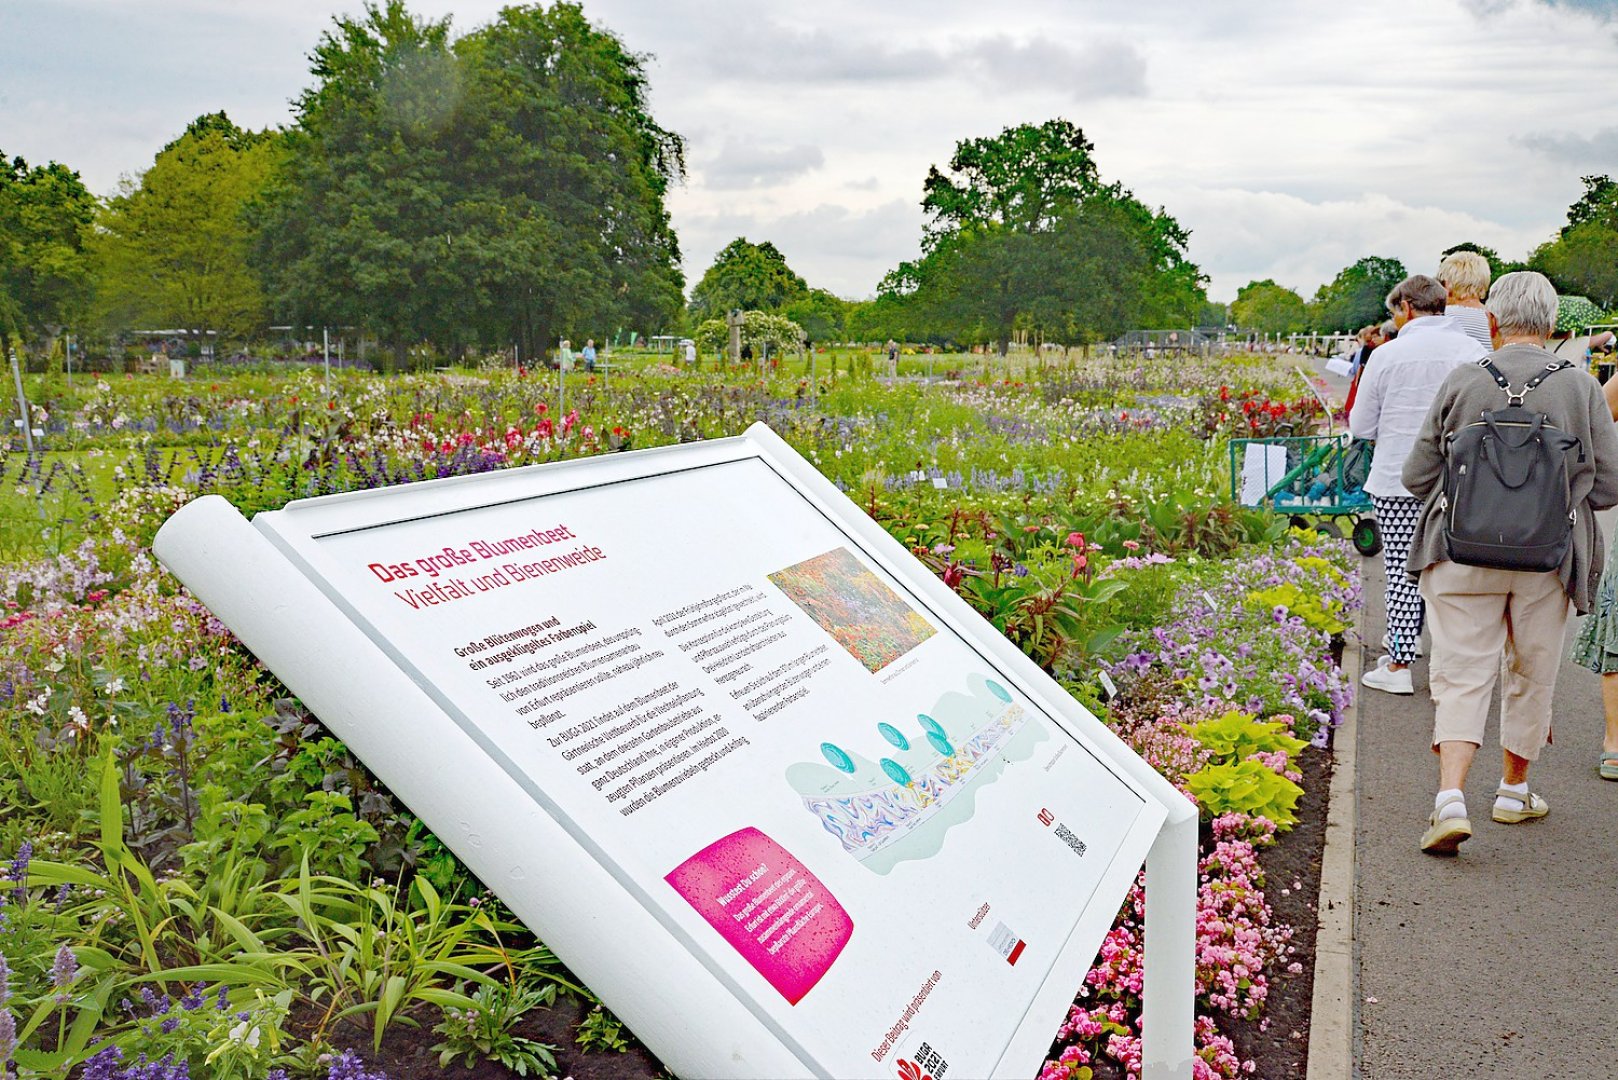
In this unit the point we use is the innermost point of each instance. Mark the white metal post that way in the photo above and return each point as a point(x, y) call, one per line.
point(325, 354)
point(22, 406)
point(1169, 983)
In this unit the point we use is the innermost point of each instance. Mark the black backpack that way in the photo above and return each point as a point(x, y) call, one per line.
point(1506, 502)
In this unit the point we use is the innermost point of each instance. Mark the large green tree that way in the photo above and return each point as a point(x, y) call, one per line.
point(1583, 258)
point(508, 186)
point(1023, 235)
point(1355, 297)
point(1269, 308)
point(748, 277)
point(45, 218)
point(172, 247)
point(822, 314)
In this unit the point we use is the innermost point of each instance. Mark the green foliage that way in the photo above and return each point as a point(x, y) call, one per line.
point(1235, 736)
point(745, 277)
point(375, 952)
point(171, 249)
point(600, 1030)
point(453, 191)
point(823, 316)
point(1317, 612)
point(1248, 787)
point(760, 329)
point(1024, 236)
point(1354, 298)
point(1598, 205)
point(45, 219)
point(1020, 179)
point(1266, 307)
point(1583, 260)
point(482, 1031)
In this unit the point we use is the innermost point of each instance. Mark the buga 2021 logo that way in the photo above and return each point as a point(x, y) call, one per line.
point(909, 1070)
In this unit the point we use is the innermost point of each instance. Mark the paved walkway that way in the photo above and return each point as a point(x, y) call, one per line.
point(1502, 961)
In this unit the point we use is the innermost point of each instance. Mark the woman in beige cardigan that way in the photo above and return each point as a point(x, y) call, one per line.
point(1476, 614)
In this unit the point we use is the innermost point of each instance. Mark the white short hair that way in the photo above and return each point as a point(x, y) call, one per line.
point(1465, 274)
point(1524, 303)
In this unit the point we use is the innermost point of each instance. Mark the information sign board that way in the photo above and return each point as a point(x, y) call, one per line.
point(722, 743)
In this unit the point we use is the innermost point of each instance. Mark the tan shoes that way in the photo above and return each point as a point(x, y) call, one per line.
point(1445, 835)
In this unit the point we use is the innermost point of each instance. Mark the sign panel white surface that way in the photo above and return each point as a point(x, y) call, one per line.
point(801, 761)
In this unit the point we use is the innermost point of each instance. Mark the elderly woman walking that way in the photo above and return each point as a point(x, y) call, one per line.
point(1466, 275)
point(1389, 407)
point(1479, 614)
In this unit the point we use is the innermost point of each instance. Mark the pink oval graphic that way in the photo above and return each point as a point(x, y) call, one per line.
point(769, 906)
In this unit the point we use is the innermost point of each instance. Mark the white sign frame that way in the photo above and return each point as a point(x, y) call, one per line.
point(283, 610)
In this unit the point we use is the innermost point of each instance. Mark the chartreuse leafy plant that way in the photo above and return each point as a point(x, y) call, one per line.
point(1317, 612)
point(1246, 787)
point(1236, 736)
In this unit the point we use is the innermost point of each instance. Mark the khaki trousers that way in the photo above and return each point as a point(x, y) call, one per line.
point(1477, 616)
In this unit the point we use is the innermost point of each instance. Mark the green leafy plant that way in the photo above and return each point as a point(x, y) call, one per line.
point(600, 1030)
point(1248, 787)
point(483, 1030)
point(376, 953)
point(1317, 612)
point(1236, 736)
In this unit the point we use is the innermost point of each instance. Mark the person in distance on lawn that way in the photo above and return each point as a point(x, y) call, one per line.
point(1480, 615)
point(1466, 275)
point(1390, 405)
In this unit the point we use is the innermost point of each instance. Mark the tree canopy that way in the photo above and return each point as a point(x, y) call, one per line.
point(1268, 308)
point(172, 247)
point(1355, 297)
point(505, 185)
point(1023, 235)
point(45, 218)
point(748, 277)
point(1583, 259)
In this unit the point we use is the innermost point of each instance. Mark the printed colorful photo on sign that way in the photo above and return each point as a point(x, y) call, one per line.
point(853, 605)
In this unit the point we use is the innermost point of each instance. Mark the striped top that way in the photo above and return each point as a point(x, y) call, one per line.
point(1473, 320)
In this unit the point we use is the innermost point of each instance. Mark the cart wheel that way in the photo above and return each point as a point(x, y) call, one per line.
point(1298, 521)
point(1367, 541)
point(1329, 528)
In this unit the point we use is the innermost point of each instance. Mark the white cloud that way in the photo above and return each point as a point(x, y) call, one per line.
point(1097, 69)
point(743, 164)
point(833, 247)
point(1292, 139)
point(1240, 229)
point(1595, 151)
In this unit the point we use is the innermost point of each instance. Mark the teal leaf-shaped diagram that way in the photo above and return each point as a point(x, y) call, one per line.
point(893, 793)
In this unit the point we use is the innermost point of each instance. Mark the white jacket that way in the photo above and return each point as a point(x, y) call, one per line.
point(1399, 387)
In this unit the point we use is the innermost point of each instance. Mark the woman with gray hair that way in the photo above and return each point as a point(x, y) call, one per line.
point(1465, 274)
point(1480, 614)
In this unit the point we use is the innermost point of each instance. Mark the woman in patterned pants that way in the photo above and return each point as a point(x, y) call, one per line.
point(1395, 392)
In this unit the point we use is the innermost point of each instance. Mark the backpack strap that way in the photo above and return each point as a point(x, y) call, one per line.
point(1515, 397)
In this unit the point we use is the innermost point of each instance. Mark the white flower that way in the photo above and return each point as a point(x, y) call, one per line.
point(115, 687)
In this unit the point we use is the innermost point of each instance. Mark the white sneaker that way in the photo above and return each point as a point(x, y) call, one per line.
point(1384, 678)
point(1387, 643)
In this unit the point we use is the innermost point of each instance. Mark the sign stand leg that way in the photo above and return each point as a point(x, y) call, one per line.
point(1168, 993)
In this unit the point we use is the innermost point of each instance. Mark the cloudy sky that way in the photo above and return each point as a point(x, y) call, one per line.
point(1290, 136)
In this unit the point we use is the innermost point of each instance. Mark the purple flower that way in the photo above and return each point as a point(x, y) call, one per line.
point(352, 1067)
point(63, 971)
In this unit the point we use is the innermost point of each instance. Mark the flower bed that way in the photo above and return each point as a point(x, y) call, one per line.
point(198, 874)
